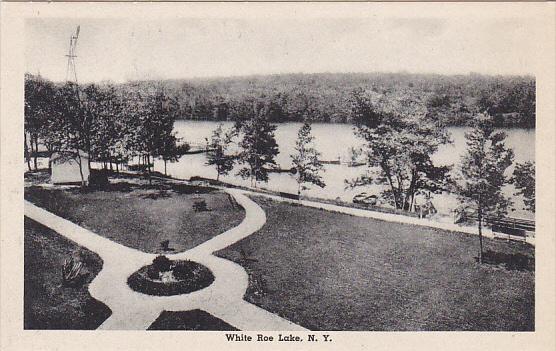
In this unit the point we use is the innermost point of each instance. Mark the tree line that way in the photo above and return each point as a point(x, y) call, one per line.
point(326, 97)
point(110, 124)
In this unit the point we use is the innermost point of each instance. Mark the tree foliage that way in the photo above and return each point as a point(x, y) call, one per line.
point(218, 154)
point(326, 97)
point(39, 117)
point(524, 181)
point(258, 148)
point(481, 172)
point(306, 160)
point(399, 140)
point(109, 123)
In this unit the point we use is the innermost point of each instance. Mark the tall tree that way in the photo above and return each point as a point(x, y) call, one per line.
point(105, 108)
point(306, 160)
point(39, 111)
point(166, 140)
point(170, 151)
point(120, 130)
point(399, 139)
point(153, 114)
point(481, 173)
point(76, 125)
point(524, 181)
point(218, 154)
point(258, 148)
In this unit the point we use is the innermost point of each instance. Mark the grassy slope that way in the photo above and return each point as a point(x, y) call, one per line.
point(47, 304)
point(329, 271)
point(140, 216)
point(189, 320)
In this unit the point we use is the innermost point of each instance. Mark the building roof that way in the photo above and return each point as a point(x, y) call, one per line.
point(67, 154)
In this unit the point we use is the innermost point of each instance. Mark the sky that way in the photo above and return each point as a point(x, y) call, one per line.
point(125, 49)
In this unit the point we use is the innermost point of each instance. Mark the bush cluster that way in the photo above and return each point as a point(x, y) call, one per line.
point(190, 276)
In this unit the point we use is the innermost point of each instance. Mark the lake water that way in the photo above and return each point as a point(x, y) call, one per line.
point(333, 141)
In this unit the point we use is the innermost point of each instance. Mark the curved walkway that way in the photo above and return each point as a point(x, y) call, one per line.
point(133, 310)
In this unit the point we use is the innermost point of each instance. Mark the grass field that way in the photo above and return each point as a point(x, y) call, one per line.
point(47, 303)
point(142, 216)
point(330, 271)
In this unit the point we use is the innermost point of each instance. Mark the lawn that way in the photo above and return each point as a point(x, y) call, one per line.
point(141, 216)
point(330, 271)
point(48, 304)
point(189, 320)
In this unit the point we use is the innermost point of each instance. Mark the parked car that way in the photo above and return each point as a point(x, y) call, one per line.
point(365, 199)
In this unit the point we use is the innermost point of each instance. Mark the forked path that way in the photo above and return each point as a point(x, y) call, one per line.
point(133, 310)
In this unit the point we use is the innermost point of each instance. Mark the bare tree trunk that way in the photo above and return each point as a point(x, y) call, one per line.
point(149, 169)
point(80, 168)
point(34, 152)
point(27, 155)
point(411, 191)
point(386, 170)
point(480, 217)
point(165, 167)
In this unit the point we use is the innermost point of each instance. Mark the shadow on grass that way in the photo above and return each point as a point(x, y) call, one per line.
point(37, 177)
point(160, 194)
point(124, 187)
point(186, 189)
point(52, 199)
point(155, 184)
point(511, 261)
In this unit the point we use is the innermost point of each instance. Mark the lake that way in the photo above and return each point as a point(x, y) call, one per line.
point(334, 141)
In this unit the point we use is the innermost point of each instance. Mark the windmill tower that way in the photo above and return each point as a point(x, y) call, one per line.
point(71, 73)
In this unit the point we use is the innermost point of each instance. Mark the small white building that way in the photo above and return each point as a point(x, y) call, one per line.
point(65, 167)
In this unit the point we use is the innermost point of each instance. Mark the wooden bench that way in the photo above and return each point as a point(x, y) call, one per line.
point(512, 227)
point(497, 228)
point(289, 195)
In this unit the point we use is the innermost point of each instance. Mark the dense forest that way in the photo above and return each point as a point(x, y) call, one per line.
point(327, 97)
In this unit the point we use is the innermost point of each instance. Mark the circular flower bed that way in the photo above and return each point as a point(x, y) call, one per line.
point(165, 277)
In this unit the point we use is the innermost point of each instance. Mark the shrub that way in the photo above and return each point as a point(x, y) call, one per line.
point(162, 263)
point(152, 272)
point(512, 261)
point(98, 178)
point(165, 245)
point(140, 168)
point(190, 276)
point(184, 270)
point(200, 205)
